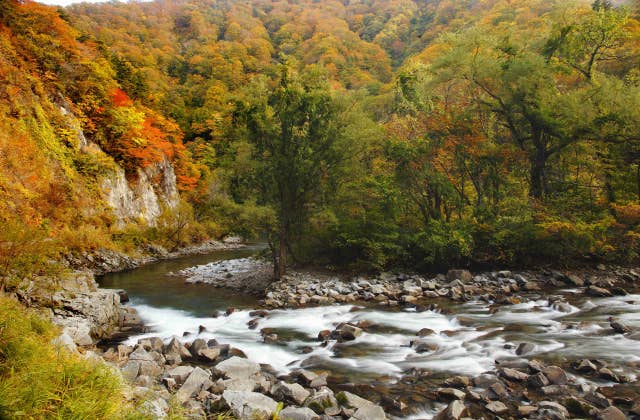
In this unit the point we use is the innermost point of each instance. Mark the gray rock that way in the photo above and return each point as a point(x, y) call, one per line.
point(350, 400)
point(524, 348)
point(454, 411)
point(209, 354)
point(555, 374)
point(180, 373)
point(322, 400)
point(497, 407)
point(156, 408)
point(538, 380)
point(598, 291)
point(348, 332)
point(130, 370)
point(249, 405)
point(611, 413)
point(369, 412)
point(552, 406)
point(290, 392)
point(140, 354)
point(463, 275)
point(298, 413)
point(237, 385)
point(586, 366)
point(513, 375)
point(193, 384)
point(64, 341)
point(237, 368)
point(451, 394)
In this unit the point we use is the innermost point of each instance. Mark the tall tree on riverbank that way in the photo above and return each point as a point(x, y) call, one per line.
point(296, 133)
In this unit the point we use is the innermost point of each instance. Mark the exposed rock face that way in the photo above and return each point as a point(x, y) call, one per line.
point(87, 313)
point(143, 198)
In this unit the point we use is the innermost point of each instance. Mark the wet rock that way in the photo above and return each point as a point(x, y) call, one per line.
point(458, 382)
point(538, 380)
point(598, 291)
point(611, 413)
point(524, 348)
point(236, 368)
point(574, 280)
point(290, 392)
point(193, 384)
point(424, 332)
point(527, 410)
point(369, 412)
point(298, 413)
point(579, 406)
point(423, 346)
point(270, 338)
point(513, 375)
point(324, 335)
point(464, 276)
point(249, 405)
point(454, 411)
point(618, 327)
point(555, 374)
point(536, 366)
point(348, 332)
point(597, 399)
point(449, 394)
point(607, 374)
point(497, 390)
point(586, 366)
point(636, 408)
point(496, 407)
point(553, 409)
point(259, 313)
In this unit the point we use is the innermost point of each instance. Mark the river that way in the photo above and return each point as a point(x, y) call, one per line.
point(468, 338)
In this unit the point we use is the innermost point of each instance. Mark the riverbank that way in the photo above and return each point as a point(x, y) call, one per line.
point(518, 380)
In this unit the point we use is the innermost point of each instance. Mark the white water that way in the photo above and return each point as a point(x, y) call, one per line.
point(469, 350)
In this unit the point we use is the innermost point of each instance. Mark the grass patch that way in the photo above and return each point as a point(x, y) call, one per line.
point(39, 381)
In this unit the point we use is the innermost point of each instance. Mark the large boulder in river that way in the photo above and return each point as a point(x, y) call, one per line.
point(249, 405)
point(464, 276)
point(237, 368)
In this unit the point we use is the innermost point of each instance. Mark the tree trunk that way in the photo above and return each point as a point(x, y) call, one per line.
point(536, 182)
point(282, 253)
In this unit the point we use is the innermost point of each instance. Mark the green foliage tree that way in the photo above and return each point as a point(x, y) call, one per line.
point(297, 136)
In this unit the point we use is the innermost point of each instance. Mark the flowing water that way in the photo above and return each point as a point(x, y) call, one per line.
point(469, 337)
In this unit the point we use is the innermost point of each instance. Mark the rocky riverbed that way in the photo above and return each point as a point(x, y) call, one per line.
point(535, 344)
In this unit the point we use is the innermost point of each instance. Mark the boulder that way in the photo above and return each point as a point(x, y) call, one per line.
point(524, 348)
point(555, 374)
point(209, 354)
point(322, 400)
point(538, 380)
point(298, 413)
point(598, 292)
point(527, 410)
point(369, 412)
point(513, 375)
point(193, 384)
point(464, 276)
point(496, 407)
point(458, 382)
point(249, 405)
point(348, 332)
point(611, 413)
point(237, 368)
point(449, 394)
point(294, 393)
point(552, 407)
point(454, 411)
point(180, 373)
